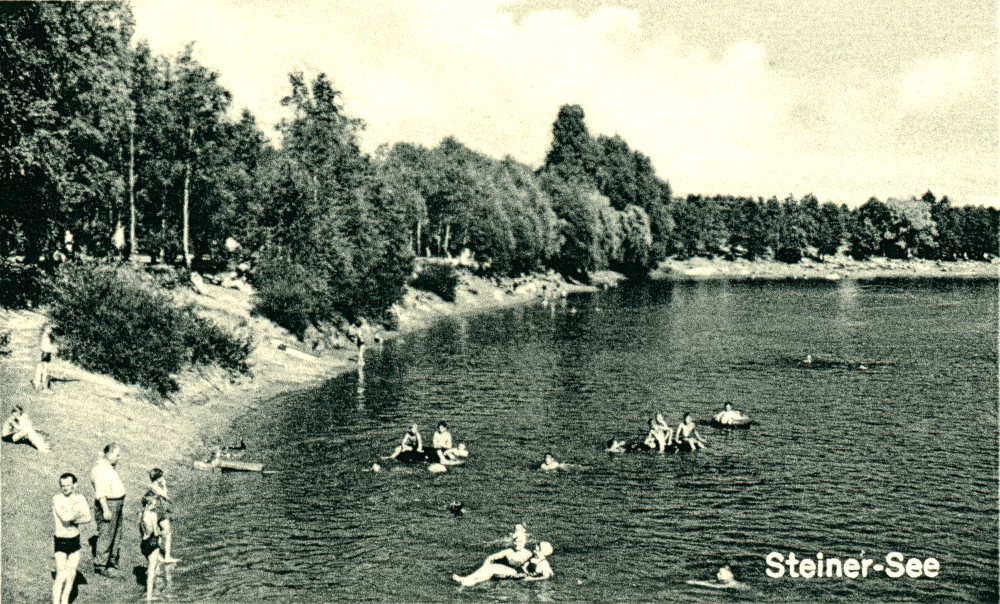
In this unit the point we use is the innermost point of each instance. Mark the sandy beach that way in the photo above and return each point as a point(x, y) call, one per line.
point(84, 411)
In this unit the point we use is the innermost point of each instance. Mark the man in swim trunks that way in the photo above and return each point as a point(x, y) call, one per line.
point(686, 433)
point(443, 444)
point(69, 509)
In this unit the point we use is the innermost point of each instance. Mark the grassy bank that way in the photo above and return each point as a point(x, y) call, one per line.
point(85, 411)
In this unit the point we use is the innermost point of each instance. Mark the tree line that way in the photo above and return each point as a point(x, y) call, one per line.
point(114, 152)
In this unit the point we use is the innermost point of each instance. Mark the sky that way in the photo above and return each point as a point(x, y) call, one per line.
point(844, 99)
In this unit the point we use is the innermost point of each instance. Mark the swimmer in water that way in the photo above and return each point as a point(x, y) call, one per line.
point(551, 465)
point(687, 433)
point(411, 442)
point(505, 564)
point(730, 416)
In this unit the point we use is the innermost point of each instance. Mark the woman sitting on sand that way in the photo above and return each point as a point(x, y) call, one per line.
point(18, 427)
point(411, 442)
point(505, 564)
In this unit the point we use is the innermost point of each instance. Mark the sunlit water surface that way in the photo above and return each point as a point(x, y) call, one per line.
point(887, 442)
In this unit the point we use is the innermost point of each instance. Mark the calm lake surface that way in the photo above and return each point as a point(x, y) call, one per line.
point(887, 442)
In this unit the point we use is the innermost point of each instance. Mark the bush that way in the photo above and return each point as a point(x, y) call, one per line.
point(440, 279)
point(4, 342)
point(20, 285)
point(116, 321)
point(287, 295)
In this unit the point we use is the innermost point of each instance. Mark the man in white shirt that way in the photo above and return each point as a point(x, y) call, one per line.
point(69, 509)
point(109, 499)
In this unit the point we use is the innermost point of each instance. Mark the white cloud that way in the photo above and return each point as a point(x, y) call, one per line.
point(713, 122)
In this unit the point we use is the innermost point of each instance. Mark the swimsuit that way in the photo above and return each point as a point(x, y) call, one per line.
point(46, 357)
point(149, 545)
point(67, 545)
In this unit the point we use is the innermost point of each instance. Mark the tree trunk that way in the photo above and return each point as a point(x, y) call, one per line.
point(447, 236)
point(133, 240)
point(187, 195)
point(418, 238)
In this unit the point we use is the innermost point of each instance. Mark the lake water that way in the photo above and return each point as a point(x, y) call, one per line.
point(886, 442)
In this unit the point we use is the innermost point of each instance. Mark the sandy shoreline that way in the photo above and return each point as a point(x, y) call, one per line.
point(833, 269)
point(85, 411)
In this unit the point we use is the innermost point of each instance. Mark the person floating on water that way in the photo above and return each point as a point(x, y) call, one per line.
point(505, 564)
point(550, 464)
point(411, 442)
point(538, 568)
point(726, 580)
point(730, 416)
point(615, 446)
point(687, 433)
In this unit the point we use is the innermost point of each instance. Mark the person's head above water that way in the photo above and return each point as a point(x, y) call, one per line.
point(726, 575)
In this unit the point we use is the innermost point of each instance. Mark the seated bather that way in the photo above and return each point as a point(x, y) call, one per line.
point(505, 564)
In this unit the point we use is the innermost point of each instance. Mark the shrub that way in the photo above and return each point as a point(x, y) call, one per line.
point(20, 285)
point(4, 342)
point(440, 279)
point(116, 321)
point(210, 344)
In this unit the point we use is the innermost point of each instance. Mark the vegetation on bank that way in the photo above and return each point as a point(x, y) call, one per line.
point(120, 322)
point(110, 152)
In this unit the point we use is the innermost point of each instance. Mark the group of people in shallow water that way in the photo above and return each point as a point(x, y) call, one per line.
point(661, 436)
point(444, 453)
point(514, 562)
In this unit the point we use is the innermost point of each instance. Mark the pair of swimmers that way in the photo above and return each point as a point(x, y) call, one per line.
point(445, 451)
point(661, 436)
point(515, 562)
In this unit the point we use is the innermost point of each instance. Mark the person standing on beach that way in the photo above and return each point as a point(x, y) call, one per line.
point(158, 485)
point(109, 499)
point(69, 509)
point(48, 349)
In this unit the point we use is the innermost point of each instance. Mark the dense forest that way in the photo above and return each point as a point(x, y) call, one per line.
point(113, 153)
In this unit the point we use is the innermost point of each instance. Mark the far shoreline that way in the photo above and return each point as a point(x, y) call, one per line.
point(833, 269)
